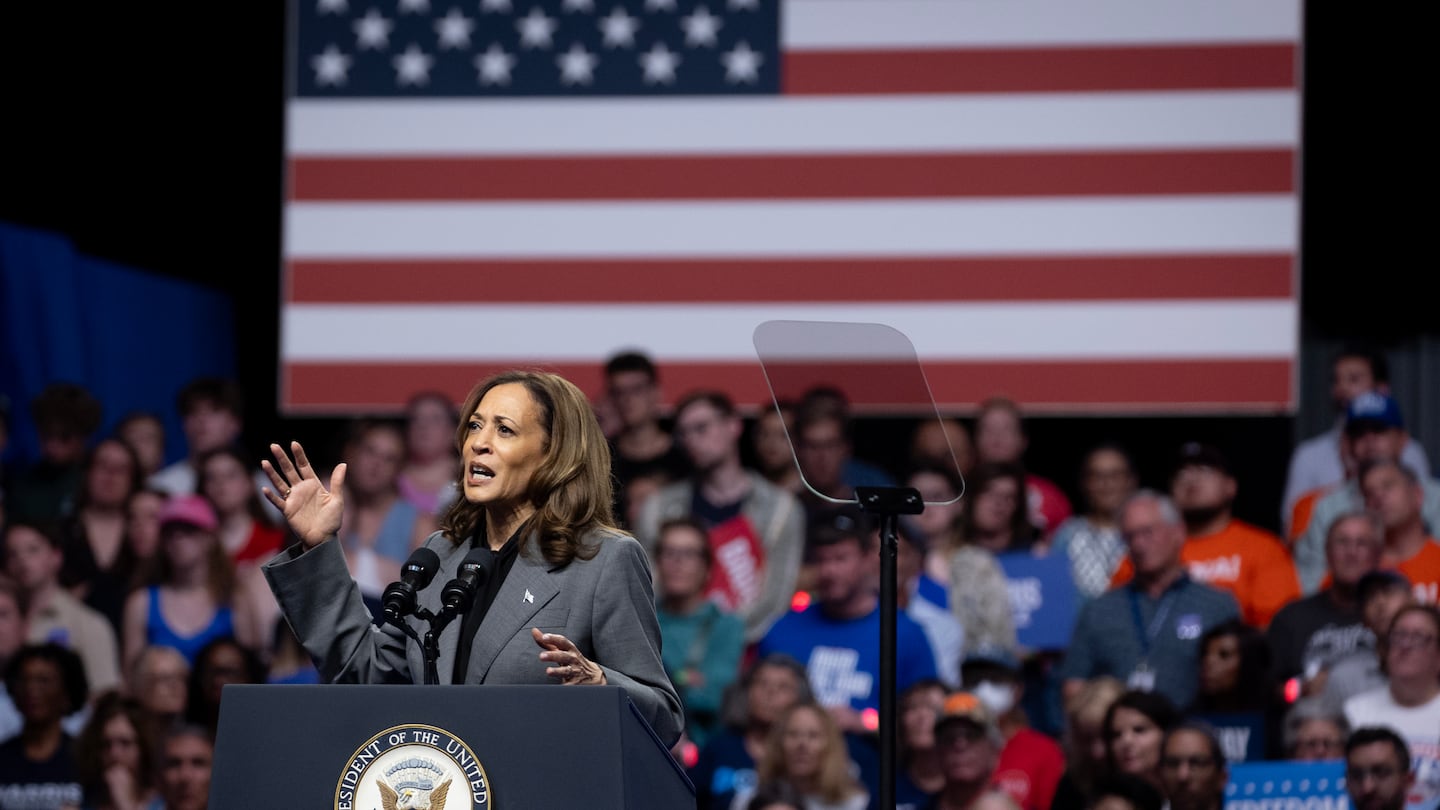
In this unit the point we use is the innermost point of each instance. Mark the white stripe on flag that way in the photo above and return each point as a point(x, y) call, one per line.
point(1036, 226)
point(816, 125)
point(1196, 329)
point(876, 24)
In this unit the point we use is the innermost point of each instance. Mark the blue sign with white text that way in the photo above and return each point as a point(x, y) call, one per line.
point(1286, 785)
point(1043, 599)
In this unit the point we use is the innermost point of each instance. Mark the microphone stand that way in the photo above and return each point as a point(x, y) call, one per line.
point(888, 504)
point(404, 627)
point(431, 645)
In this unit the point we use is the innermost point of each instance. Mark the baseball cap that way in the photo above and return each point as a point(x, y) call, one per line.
point(1372, 409)
point(1197, 454)
point(965, 707)
point(192, 510)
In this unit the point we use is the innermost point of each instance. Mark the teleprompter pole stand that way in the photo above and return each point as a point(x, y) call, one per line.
point(888, 504)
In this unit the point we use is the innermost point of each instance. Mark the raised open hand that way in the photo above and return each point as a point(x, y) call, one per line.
point(312, 511)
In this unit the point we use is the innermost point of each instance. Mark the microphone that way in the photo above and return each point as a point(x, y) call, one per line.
point(459, 593)
point(415, 575)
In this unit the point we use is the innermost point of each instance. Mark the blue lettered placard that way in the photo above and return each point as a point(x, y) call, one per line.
point(1043, 599)
point(1282, 785)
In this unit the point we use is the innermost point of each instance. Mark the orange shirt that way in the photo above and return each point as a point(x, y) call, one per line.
point(1423, 571)
point(1249, 562)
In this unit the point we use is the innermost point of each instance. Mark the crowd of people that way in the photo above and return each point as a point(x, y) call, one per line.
point(133, 591)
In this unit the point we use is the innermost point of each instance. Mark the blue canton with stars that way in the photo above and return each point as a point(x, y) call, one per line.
point(514, 48)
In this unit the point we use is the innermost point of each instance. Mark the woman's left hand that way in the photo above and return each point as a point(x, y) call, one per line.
point(566, 662)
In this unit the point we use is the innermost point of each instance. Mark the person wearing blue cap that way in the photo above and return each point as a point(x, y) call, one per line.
point(1374, 431)
point(1318, 463)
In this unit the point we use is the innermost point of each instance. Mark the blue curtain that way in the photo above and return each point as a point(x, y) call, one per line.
point(132, 338)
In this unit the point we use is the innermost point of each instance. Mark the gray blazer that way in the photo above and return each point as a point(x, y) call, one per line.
point(605, 605)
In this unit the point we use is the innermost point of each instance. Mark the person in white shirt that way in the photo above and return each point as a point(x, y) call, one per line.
point(1410, 702)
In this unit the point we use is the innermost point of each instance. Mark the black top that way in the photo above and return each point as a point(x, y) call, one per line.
point(498, 564)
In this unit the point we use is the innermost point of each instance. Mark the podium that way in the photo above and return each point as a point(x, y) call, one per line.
point(361, 747)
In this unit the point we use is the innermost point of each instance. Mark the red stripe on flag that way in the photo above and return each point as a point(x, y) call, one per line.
point(1118, 278)
point(1259, 171)
point(1041, 69)
point(1219, 386)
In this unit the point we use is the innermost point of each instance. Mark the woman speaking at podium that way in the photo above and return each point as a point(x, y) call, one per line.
point(566, 597)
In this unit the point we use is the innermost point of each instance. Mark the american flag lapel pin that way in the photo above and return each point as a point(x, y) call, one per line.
point(529, 597)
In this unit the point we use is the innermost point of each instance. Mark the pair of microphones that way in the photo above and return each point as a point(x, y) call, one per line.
point(401, 598)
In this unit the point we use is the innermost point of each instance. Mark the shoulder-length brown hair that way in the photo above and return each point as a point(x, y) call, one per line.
point(833, 783)
point(572, 490)
point(1022, 531)
point(90, 746)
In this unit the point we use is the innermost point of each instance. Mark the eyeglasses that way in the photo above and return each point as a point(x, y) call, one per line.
point(632, 390)
point(680, 554)
point(1375, 772)
point(1410, 638)
point(963, 732)
point(1195, 763)
point(1320, 745)
point(1140, 532)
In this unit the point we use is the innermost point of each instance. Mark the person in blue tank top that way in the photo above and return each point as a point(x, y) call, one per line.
point(191, 596)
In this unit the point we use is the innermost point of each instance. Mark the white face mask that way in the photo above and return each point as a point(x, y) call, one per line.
point(997, 697)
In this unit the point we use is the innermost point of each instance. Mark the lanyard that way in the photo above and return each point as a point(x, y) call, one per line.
point(1147, 635)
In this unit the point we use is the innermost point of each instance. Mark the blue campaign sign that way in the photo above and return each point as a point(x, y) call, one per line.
point(1283, 785)
point(1043, 599)
point(1241, 735)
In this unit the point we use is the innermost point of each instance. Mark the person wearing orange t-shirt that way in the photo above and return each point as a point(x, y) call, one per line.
point(1393, 492)
point(1232, 555)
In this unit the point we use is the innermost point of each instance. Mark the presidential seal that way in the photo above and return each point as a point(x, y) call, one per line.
point(413, 767)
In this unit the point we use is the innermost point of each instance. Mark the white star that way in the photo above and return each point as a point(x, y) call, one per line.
point(536, 29)
point(659, 64)
point(454, 29)
point(330, 66)
point(659, 5)
point(495, 65)
point(742, 64)
point(578, 5)
point(332, 7)
point(412, 66)
point(577, 65)
point(736, 5)
point(701, 27)
point(373, 31)
point(495, 6)
point(619, 29)
point(414, 6)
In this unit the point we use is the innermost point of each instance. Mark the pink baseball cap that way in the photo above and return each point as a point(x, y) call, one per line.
point(193, 510)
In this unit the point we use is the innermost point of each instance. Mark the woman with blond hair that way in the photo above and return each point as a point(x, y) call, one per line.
point(1083, 739)
point(535, 508)
point(807, 750)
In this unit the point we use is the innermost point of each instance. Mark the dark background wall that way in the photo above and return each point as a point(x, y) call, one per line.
point(151, 135)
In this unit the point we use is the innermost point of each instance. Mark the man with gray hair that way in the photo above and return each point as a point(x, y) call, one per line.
point(1147, 632)
point(1310, 634)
